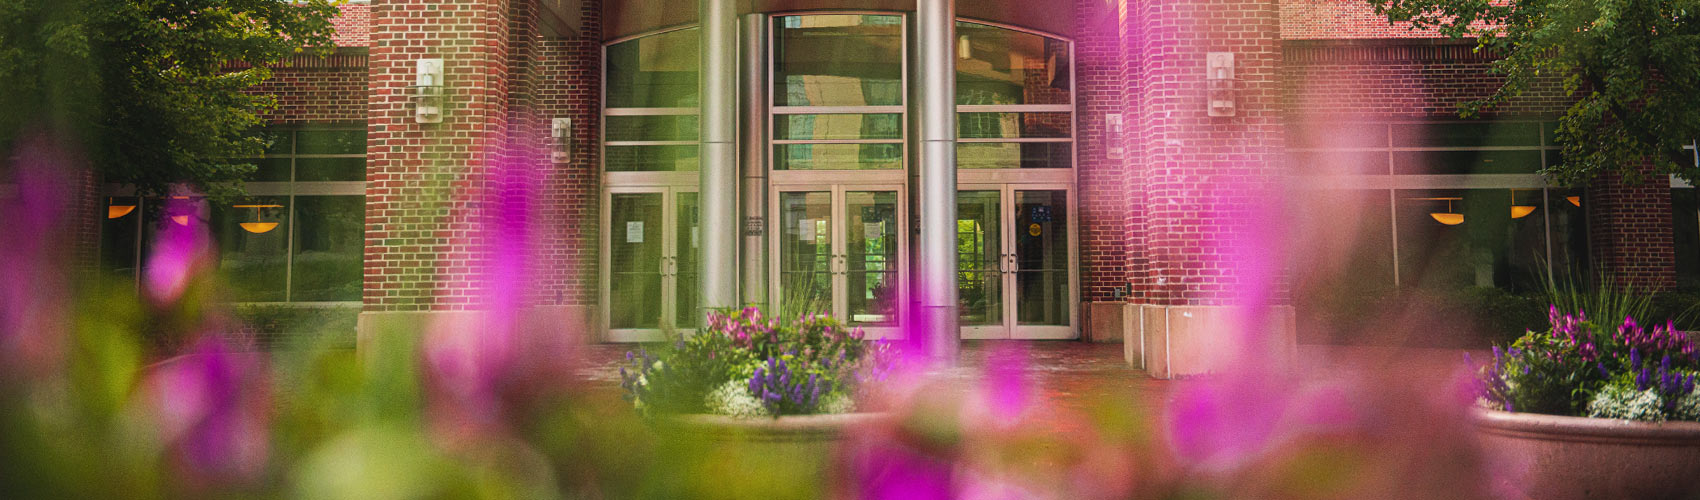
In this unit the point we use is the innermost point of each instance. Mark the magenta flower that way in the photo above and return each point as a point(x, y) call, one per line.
point(211, 405)
point(181, 250)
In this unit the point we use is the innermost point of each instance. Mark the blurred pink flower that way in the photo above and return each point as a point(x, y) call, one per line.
point(34, 290)
point(212, 408)
point(181, 251)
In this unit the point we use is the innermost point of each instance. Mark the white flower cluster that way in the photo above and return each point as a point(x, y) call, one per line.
point(1618, 401)
point(837, 402)
point(734, 399)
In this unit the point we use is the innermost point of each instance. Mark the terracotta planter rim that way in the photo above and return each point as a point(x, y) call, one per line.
point(1586, 429)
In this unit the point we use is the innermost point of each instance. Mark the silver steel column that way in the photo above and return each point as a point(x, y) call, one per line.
point(719, 153)
point(934, 79)
point(754, 158)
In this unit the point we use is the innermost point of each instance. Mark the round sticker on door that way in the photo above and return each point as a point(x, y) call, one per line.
point(1033, 229)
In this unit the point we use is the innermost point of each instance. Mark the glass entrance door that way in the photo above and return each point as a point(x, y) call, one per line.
point(1014, 262)
point(838, 250)
point(650, 258)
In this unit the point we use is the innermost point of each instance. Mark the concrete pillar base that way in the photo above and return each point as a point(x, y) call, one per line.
point(548, 325)
point(1180, 341)
point(1106, 322)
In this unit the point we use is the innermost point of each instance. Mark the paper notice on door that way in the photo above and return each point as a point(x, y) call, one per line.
point(873, 229)
point(806, 230)
point(634, 231)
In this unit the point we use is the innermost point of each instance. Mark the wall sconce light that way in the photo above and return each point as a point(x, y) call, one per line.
point(1519, 211)
point(1219, 78)
point(963, 50)
point(561, 140)
point(180, 219)
point(114, 211)
point(427, 92)
point(1574, 200)
point(258, 227)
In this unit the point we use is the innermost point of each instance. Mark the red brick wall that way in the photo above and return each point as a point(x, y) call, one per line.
point(421, 178)
point(313, 90)
point(1205, 178)
point(568, 86)
point(1631, 232)
point(1099, 91)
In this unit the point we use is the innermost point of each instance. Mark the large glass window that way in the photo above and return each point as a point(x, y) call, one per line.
point(1015, 105)
point(298, 237)
point(650, 117)
point(838, 92)
point(1469, 206)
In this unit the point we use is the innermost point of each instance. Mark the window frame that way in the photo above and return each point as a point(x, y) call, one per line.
point(1071, 108)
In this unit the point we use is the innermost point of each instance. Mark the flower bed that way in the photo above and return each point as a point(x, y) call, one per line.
point(746, 365)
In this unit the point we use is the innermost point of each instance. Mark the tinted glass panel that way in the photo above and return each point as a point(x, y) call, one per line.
point(841, 126)
point(1685, 217)
point(1041, 258)
point(253, 248)
point(635, 254)
point(837, 156)
point(1466, 162)
point(656, 71)
point(1012, 125)
point(1014, 155)
point(838, 60)
point(652, 128)
point(328, 248)
point(1450, 239)
point(1467, 134)
point(330, 169)
point(1337, 162)
point(1347, 259)
point(1336, 135)
point(979, 255)
point(270, 169)
point(650, 158)
point(120, 227)
point(330, 142)
point(1001, 66)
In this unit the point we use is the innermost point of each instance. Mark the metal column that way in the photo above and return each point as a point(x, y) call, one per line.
point(934, 111)
point(753, 161)
point(719, 153)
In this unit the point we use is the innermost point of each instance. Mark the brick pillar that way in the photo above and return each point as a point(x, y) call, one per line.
point(1629, 228)
point(1208, 183)
point(420, 177)
point(569, 71)
point(1102, 168)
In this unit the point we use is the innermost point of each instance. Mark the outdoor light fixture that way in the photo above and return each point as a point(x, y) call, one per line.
point(1448, 217)
point(561, 139)
point(116, 211)
point(181, 220)
point(427, 92)
point(1574, 200)
point(1219, 77)
point(963, 50)
point(258, 227)
point(1519, 211)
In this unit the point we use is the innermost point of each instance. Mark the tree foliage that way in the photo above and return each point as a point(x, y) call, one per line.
point(1632, 65)
point(151, 92)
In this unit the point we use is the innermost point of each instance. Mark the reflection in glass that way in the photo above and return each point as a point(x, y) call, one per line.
point(1347, 261)
point(838, 60)
point(330, 169)
point(656, 71)
point(1488, 249)
point(119, 231)
point(871, 253)
point(838, 126)
point(1041, 256)
point(635, 258)
point(329, 248)
point(805, 252)
point(330, 142)
point(973, 155)
point(837, 156)
point(1002, 66)
point(1569, 233)
point(650, 158)
point(254, 265)
point(1466, 162)
point(1013, 125)
point(687, 239)
point(651, 128)
point(979, 251)
point(1467, 134)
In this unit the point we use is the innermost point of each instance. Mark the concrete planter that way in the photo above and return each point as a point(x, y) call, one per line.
point(785, 457)
point(808, 431)
point(1558, 457)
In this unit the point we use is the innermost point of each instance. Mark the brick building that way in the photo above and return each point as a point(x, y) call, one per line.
point(1120, 165)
